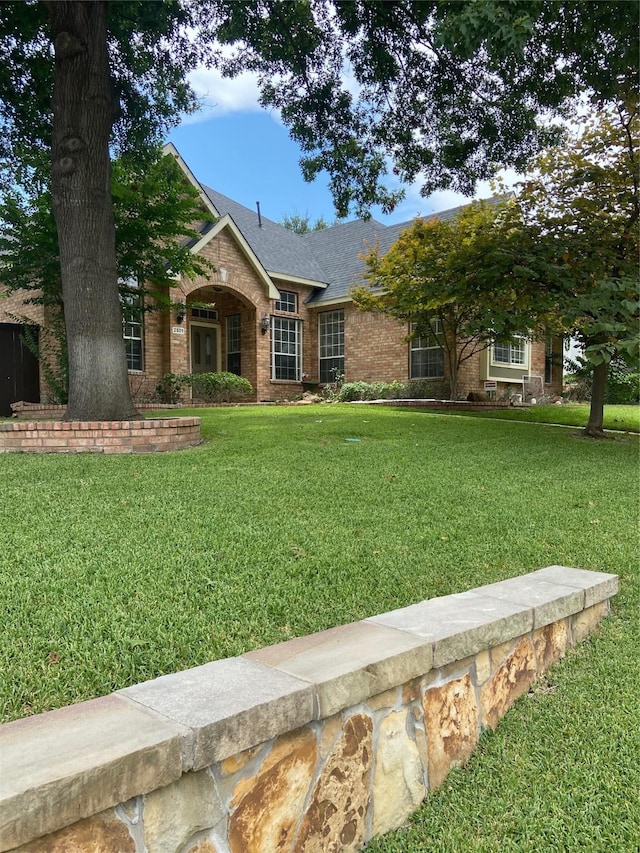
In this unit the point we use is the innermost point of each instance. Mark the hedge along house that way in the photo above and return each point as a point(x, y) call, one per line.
point(278, 311)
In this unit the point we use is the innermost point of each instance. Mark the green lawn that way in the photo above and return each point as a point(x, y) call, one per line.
point(118, 569)
point(619, 418)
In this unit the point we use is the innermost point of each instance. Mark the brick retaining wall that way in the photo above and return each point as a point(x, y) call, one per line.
point(141, 436)
point(309, 746)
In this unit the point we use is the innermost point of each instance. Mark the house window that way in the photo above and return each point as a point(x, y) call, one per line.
point(286, 349)
point(132, 313)
point(331, 340)
point(514, 353)
point(288, 302)
point(204, 314)
point(233, 344)
point(427, 356)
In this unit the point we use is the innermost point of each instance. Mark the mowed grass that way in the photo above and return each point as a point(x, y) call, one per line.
point(617, 418)
point(114, 570)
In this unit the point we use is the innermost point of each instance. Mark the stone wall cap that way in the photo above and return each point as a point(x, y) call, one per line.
point(597, 586)
point(550, 601)
point(350, 663)
point(462, 624)
point(230, 705)
point(108, 748)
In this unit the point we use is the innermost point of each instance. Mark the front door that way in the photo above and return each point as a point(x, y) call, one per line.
point(19, 373)
point(205, 348)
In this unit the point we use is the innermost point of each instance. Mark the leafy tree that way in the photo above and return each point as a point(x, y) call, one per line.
point(583, 204)
point(302, 224)
point(459, 280)
point(154, 211)
point(444, 92)
point(88, 75)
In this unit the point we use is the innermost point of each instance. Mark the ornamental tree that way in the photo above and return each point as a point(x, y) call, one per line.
point(462, 281)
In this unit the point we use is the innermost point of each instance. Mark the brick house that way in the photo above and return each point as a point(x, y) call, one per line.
point(278, 312)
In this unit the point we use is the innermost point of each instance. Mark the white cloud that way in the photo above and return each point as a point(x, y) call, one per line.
point(223, 95)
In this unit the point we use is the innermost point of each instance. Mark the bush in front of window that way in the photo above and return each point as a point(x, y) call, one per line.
point(221, 387)
point(171, 386)
point(417, 389)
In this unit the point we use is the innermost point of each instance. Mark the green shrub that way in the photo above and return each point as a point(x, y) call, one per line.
point(417, 389)
point(623, 384)
point(171, 386)
point(220, 387)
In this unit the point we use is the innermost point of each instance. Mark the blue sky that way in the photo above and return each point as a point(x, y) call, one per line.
point(244, 152)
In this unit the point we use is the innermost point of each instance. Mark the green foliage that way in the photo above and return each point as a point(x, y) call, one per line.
point(221, 387)
point(302, 224)
point(418, 389)
point(461, 281)
point(583, 204)
point(423, 505)
point(443, 93)
point(171, 387)
point(623, 384)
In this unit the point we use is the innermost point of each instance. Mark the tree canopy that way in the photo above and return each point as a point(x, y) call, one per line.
point(442, 92)
point(461, 281)
point(582, 201)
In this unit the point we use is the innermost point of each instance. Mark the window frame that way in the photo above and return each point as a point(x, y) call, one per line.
point(336, 368)
point(279, 327)
point(432, 347)
point(289, 306)
point(519, 344)
point(132, 303)
point(231, 336)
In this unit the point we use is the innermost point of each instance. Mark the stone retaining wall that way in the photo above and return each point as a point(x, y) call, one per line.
point(313, 745)
point(142, 436)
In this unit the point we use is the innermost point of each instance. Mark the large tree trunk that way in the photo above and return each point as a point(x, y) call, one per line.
point(595, 425)
point(83, 113)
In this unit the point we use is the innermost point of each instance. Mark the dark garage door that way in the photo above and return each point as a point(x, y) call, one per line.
point(19, 377)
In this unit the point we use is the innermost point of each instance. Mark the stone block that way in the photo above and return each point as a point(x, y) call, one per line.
point(173, 814)
point(229, 706)
point(335, 821)
point(550, 644)
point(109, 749)
point(550, 601)
point(508, 683)
point(597, 586)
point(398, 782)
point(266, 808)
point(582, 624)
point(451, 721)
point(350, 663)
point(460, 625)
point(103, 833)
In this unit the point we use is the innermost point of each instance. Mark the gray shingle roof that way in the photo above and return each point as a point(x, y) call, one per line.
point(329, 256)
point(278, 249)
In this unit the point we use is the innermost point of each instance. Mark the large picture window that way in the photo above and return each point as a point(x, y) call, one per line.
point(286, 349)
point(132, 328)
point(331, 344)
point(427, 356)
point(513, 353)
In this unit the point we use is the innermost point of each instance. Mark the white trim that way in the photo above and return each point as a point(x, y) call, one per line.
point(320, 306)
point(227, 222)
point(295, 279)
point(170, 148)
